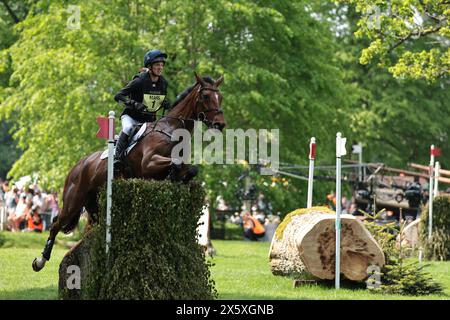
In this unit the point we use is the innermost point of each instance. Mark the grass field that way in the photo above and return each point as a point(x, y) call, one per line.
point(240, 271)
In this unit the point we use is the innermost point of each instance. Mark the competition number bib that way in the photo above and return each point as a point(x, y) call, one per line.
point(153, 101)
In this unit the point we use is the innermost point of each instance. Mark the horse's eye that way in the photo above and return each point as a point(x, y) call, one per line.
point(205, 97)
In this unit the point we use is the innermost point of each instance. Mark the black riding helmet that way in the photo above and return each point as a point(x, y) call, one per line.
point(154, 56)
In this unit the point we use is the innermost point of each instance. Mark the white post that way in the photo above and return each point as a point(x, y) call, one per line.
point(109, 178)
point(339, 153)
point(437, 168)
point(312, 155)
point(430, 194)
point(360, 161)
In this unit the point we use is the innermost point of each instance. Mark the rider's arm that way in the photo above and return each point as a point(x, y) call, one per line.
point(124, 94)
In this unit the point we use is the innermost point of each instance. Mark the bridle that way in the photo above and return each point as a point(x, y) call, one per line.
point(201, 116)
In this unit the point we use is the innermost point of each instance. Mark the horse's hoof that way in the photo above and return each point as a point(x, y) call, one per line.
point(34, 265)
point(38, 264)
point(192, 172)
point(175, 168)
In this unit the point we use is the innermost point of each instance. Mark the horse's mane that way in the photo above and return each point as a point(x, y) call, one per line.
point(182, 96)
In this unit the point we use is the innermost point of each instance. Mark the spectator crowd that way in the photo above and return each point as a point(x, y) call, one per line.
point(27, 208)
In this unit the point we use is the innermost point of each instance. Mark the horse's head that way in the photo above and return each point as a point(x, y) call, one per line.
point(208, 108)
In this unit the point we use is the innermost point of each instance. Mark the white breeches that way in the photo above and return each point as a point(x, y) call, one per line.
point(128, 123)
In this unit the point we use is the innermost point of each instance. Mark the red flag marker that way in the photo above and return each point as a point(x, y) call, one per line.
point(103, 127)
point(312, 150)
point(435, 151)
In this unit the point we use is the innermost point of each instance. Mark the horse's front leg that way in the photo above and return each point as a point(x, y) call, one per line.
point(160, 167)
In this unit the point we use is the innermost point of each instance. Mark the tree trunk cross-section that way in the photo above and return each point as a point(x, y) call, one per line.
point(305, 246)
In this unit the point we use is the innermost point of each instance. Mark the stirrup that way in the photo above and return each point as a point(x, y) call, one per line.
point(117, 166)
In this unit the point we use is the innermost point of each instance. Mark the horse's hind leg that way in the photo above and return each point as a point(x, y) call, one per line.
point(69, 213)
point(39, 263)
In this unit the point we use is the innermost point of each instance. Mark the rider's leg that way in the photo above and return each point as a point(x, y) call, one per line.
point(122, 143)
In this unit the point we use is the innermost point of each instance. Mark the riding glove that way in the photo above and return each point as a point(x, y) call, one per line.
point(166, 105)
point(136, 105)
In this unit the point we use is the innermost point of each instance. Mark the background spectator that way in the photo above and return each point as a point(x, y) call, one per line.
point(51, 204)
point(37, 199)
point(20, 212)
point(34, 220)
point(271, 225)
point(3, 190)
point(253, 229)
point(11, 200)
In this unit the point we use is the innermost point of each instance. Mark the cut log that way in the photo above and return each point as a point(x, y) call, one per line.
point(304, 246)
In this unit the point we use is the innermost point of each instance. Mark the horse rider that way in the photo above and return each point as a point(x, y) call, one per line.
point(142, 97)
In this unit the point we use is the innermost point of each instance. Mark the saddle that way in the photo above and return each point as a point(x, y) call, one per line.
point(136, 135)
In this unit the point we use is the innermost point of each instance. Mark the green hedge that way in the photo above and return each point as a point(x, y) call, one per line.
point(154, 253)
point(439, 246)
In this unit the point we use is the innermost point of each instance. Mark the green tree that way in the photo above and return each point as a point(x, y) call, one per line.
point(10, 14)
point(396, 119)
point(8, 151)
point(394, 27)
point(278, 62)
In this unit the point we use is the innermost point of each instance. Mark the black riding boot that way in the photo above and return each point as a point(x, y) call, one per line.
point(121, 146)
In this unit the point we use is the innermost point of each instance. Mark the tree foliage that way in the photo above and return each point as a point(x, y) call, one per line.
point(287, 64)
point(396, 120)
point(277, 75)
point(394, 28)
point(8, 151)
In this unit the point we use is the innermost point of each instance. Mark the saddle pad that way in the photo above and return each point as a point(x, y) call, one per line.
point(133, 142)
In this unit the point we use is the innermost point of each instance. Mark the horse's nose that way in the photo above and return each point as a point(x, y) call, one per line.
point(219, 125)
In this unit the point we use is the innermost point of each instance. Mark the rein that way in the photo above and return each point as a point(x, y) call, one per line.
point(200, 116)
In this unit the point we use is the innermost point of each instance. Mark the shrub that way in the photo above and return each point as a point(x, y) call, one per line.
point(153, 253)
point(438, 248)
point(399, 276)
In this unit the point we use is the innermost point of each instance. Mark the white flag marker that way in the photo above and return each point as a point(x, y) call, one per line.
point(312, 155)
point(340, 151)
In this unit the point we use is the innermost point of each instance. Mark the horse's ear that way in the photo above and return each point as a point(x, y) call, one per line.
point(199, 79)
point(219, 81)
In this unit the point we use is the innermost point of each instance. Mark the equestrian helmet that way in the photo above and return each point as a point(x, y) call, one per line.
point(153, 56)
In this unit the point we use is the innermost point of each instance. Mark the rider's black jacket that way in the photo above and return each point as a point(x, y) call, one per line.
point(143, 90)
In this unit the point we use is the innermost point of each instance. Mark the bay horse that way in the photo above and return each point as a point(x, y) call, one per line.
point(149, 159)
